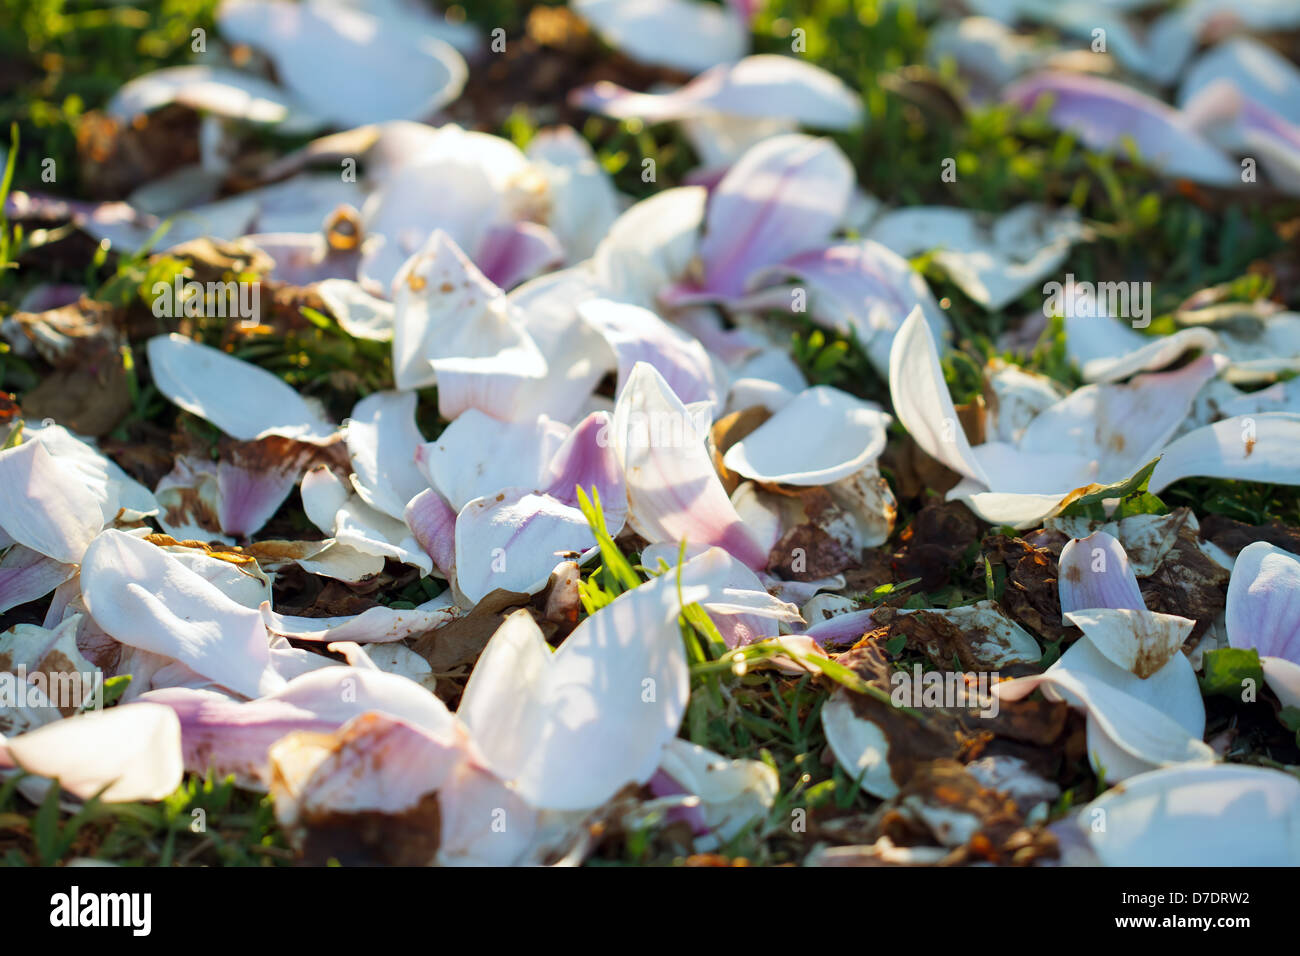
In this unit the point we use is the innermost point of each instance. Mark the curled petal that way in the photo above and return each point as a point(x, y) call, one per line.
point(382, 439)
point(783, 197)
point(433, 523)
point(1094, 572)
point(513, 541)
point(1263, 609)
point(684, 35)
point(761, 87)
point(826, 433)
point(672, 490)
point(922, 402)
point(347, 66)
point(638, 335)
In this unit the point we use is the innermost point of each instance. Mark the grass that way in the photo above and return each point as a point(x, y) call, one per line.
point(67, 57)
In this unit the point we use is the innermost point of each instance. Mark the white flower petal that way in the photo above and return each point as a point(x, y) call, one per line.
point(477, 455)
point(44, 506)
point(820, 437)
point(1264, 447)
point(1198, 816)
point(244, 401)
point(513, 541)
point(347, 66)
point(672, 490)
point(571, 728)
point(382, 439)
point(1263, 609)
point(921, 400)
point(684, 35)
point(144, 597)
point(994, 262)
point(760, 87)
point(134, 751)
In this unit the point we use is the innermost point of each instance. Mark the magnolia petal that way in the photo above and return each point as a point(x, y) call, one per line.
point(732, 793)
point(1283, 678)
point(584, 203)
point(1264, 447)
point(1259, 74)
point(684, 35)
point(382, 439)
point(208, 89)
point(741, 608)
point(190, 501)
point(323, 494)
point(321, 779)
point(243, 582)
point(145, 598)
point(454, 195)
point(232, 737)
point(1263, 609)
point(577, 356)
point(638, 335)
point(1108, 350)
point(649, 246)
point(1140, 641)
point(333, 559)
point(1225, 815)
point(244, 401)
point(253, 480)
point(993, 261)
point(1122, 427)
point(860, 288)
point(570, 729)
point(1126, 736)
point(588, 460)
point(672, 490)
point(121, 497)
point(509, 254)
point(26, 575)
point(359, 313)
point(760, 87)
point(447, 309)
point(513, 541)
point(376, 625)
point(44, 506)
point(130, 752)
point(1094, 572)
point(347, 66)
point(859, 746)
point(783, 197)
point(373, 532)
point(433, 524)
point(921, 400)
point(477, 455)
point(827, 433)
point(1102, 113)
